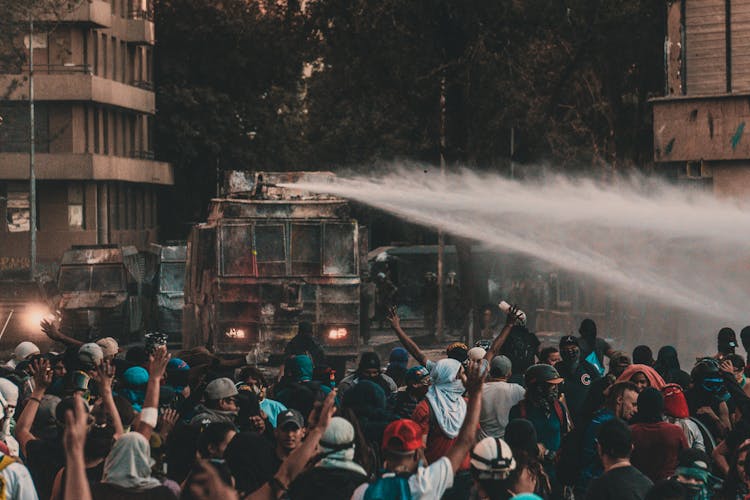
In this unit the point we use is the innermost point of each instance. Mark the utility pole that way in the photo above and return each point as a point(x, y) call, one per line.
point(441, 235)
point(32, 173)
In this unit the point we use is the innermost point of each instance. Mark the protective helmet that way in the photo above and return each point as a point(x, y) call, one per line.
point(542, 373)
point(492, 458)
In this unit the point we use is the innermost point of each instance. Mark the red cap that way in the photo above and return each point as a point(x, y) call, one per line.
point(403, 435)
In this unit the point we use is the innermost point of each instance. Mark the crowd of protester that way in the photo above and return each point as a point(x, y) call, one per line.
point(508, 419)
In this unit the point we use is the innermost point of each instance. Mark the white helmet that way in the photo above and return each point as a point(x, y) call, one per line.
point(492, 458)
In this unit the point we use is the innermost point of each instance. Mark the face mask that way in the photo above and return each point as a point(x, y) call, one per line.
point(569, 355)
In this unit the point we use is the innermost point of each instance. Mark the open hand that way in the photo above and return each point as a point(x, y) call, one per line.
point(42, 373)
point(49, 329)
point(393, 318)
point(157, 363)
point(167, 421)
point(322, 413)
point(76, 425)
point(105, 374)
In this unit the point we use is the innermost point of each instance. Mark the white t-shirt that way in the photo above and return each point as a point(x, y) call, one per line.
point(18, 483)
point(428, 483)
point(497, 400)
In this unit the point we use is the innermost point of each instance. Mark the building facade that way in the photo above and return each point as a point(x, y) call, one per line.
point(97, 180)
point(702, 123)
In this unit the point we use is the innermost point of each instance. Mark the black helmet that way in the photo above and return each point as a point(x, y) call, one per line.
point(705, 368)
point(542, 373)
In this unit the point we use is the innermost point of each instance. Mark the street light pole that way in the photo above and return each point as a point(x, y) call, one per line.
point(441, 235)
point(32, 173)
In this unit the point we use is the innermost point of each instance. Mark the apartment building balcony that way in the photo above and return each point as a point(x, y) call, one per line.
point(87, 166)
point(96, 13)
point(702, 128)
point(139, 29)
point(77, 83)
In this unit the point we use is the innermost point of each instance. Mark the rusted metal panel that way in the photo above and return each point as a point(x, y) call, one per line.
point(673, 48)
point(100, 254)
point(705, 49)
point(740, 29)
point(707, 128)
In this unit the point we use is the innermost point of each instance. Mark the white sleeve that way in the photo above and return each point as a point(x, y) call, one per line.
point(431, 482)
point(520, 393)
point(19, 483)
point(359, 493)
point(430, 365)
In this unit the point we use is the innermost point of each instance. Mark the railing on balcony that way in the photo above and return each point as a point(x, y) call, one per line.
point(143, 14)
point(143, 155)
point(143, 84)
point(61, 69)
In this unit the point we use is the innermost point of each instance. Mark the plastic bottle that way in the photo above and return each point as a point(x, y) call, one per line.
point(505, 308)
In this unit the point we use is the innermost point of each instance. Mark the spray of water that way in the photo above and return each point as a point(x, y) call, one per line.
point(685, 250)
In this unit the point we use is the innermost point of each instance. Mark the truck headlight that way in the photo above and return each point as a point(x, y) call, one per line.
point(337, 333)
point(235, 333)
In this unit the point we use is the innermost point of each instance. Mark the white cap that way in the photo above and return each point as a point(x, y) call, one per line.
point(24, 350)
point(476, 353)
point(9, 390)
point(109, 346)
point(90, 354)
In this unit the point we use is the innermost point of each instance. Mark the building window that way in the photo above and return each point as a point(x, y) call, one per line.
point(76, 197)
point(17, 213)
point(14, 133)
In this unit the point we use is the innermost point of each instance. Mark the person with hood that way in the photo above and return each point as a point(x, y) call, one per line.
point(368, 402)
point(220, 403)
point(297, 389)
point(694, 473)
point(305, 344)
point(593, 348)
point(521, 437)
point(133, 386)
point(402, 403)
point(642, 355)
point(442, 413)
point(668, 366)
point(127, 473)
point(398, 363)
point(334, 474)
point(252, 460)
point(656, 443)
point(642, 376)
point(368, 369)
point(577, 373)
point(676, 412)
point(707, 397)
point(726, 343)
point(255, 379)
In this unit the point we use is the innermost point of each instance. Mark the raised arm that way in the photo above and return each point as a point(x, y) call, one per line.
point(510, 320)
point(475, 375)
point(156, 368)
point(407, 342)
point(298, 460)
point(55, 334)
point(105, 373)
point(42, 374)
point(74, 439)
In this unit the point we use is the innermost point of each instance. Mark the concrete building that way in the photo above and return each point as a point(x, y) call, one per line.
point(97, 178)
point(701, 124)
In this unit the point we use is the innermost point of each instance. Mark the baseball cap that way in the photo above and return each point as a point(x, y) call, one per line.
point(542, 373)
point(109, 346)
point(90, 354)
point(220, 388)
point(369, 361)
point(727, 336)
point(476, 353)
point(568, 340)
point(135, 376)
point(492, 458)
point(416, 374)
point(402, 436)
point(339, 435)
point(24, 350)
point(290, 416)
point(458, 351)
point(500, 366)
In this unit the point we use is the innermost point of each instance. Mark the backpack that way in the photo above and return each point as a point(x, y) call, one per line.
point(389, 487)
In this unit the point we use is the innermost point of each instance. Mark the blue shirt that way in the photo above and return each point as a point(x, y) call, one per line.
point(272, 409)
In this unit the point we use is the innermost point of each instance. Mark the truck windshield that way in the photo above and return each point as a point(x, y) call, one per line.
point(339, 250)
point(237, 250)
point(172, 277)
point(107, 279)
point(74, 278)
